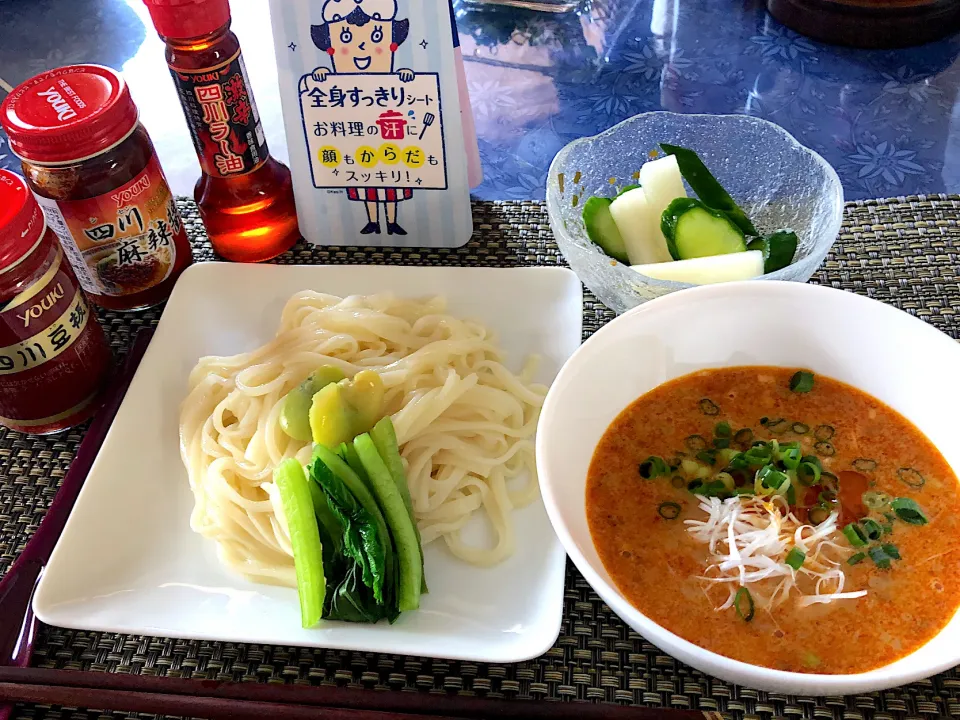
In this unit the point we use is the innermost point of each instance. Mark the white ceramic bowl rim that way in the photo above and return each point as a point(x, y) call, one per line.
point(734, 670)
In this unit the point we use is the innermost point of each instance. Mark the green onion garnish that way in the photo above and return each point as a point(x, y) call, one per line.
point(817, 515)
point(790, 457)
point(744, 436)
point(738, 462)
point(678, 482)
point(721, 443)
point(743, 604)
point(891, 550)
point(795, 558)
point(696, 443)
point(908, 511)
point(722, 429)
point(830, 481)
point(808, 471)
point(854, 535)
point(865, 465)
point(770, 477)
point(826, 498)
point(800, 429)
point(669, 510)
point(909, 476)
point(745, 490)
point(653, 467)
point(824, 448)
point(883, 554)
point(709, 407)
point(791, 495)
point(801, 382)
point(857, 558)
point(694, 486)
point(778, 427)
point(875, 500)
point(871, 529)
point(707, 456)
point(823, 432)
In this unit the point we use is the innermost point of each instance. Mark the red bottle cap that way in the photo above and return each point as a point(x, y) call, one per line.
point(181, 19)
point(21, 220)
point(68, 114)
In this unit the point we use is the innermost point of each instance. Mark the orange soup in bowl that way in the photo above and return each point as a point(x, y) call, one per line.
point(778, 518)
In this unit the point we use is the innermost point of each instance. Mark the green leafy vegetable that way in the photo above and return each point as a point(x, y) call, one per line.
point(304, 539)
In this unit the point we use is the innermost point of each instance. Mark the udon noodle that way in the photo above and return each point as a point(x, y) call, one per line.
point(464, 422)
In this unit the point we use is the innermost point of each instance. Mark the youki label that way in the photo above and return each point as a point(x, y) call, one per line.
point(372, 115)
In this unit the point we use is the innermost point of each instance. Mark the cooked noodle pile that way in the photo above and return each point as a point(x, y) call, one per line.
point(464, 422)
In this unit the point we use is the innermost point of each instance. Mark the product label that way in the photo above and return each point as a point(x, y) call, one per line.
point(124, 241)
point(41, 322)
point(222, 117)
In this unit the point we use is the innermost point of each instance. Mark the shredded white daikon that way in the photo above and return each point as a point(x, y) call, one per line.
point(748, 539)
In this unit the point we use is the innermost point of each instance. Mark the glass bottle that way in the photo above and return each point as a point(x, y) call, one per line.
point(245, 195)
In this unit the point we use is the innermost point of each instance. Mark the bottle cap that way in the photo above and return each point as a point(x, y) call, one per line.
point(21, 220)
point(68, 114)
point(181, 19)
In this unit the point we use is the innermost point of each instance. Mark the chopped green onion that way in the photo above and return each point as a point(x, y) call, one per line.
point(653, 467)
point(801, 382)
point(709, 407)
point(738, 462)
point(770, 477)
point(694, 485)
point(722, 429)
point(875, 500)
point(857, 558)
point(696, 443)
point(909, 476)
point(854, 535)
point(764, 420)
point(871, 529)
point(721, 443)
point(707, 456)
point(908, 511)
point(678, 482)
point(891, 550)
point(830, 481)
point(817, 515)
point(808, 471)
point(790, 458)
point(778, 427)
point(743, 604)
point(745, 490)
point(791, 495)
point(825, 448)
point(800, 429)
point(675, 461)
point(669, 510)
point(795, 558)
point(823, 432)
point(882, 555)
point(744, 436)
point(727, 454)
point(758, 456)
point(865, 465)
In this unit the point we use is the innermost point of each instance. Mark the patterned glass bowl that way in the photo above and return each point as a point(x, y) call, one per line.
point(778, 182)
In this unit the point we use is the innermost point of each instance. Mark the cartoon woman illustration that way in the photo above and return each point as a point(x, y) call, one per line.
point(361, 36)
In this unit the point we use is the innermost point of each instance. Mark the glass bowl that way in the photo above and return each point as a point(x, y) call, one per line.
point(777, 181)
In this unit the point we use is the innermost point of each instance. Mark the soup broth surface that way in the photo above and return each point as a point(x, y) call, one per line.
point(657, 564)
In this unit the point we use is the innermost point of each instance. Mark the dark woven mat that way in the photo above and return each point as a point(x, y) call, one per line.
point(902, 251)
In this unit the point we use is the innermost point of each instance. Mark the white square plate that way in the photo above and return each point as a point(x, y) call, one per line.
point(128, 561)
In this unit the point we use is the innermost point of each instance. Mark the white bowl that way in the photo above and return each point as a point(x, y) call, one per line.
point(887, 353)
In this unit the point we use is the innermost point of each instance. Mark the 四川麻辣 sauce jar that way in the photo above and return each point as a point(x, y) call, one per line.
point(94, 172)
point(54, 358)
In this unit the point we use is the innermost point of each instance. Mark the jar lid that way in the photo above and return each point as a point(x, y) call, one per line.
point(181, 19)
point(21, 221)
point(68, 114)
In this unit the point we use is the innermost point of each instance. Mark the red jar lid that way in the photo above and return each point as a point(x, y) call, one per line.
point(21, 220)
point(68, 114)
point(180, 19)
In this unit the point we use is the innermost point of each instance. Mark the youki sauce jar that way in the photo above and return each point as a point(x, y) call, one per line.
point(54, 357)
point(94, 172)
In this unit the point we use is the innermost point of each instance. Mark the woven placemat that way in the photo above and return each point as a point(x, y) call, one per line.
point(902, 251)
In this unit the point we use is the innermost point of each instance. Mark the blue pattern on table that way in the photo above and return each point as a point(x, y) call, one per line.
point(888, 121)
